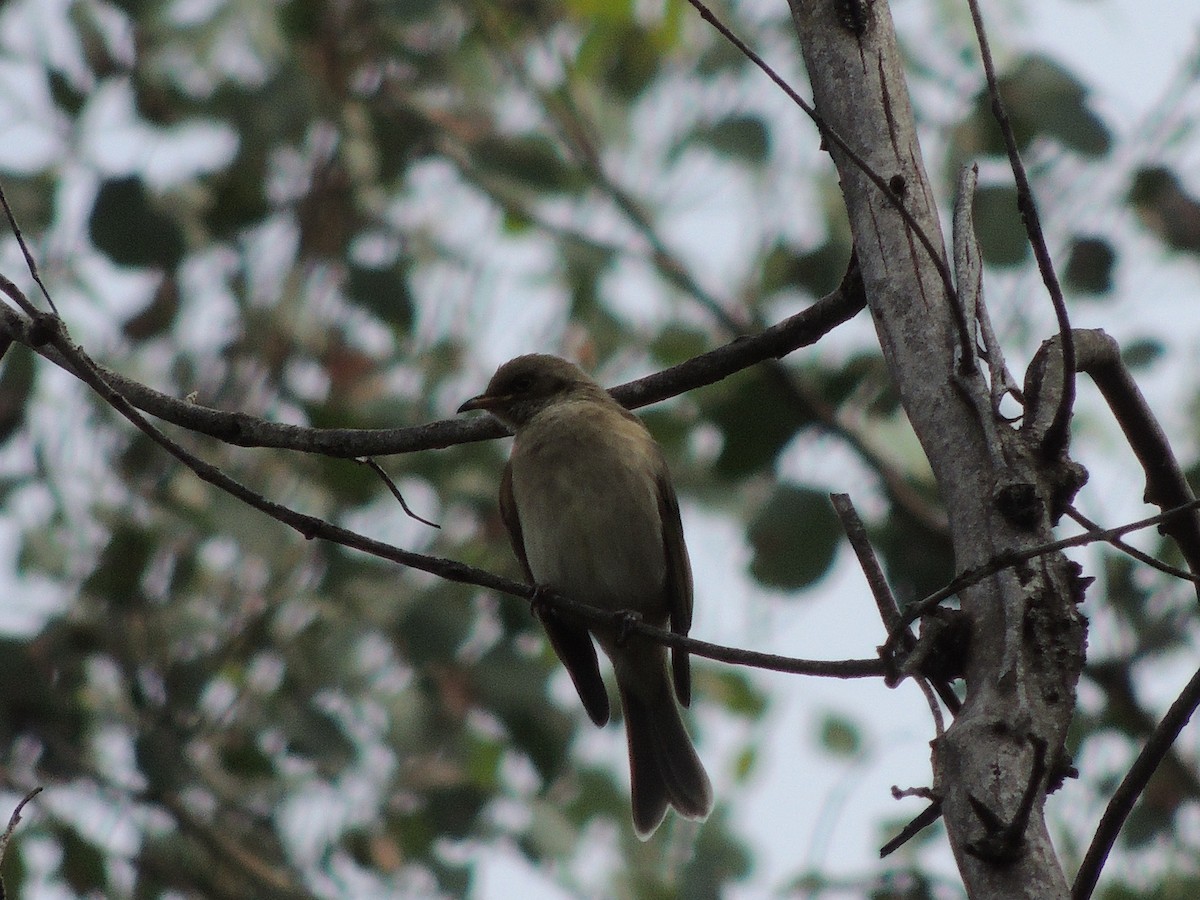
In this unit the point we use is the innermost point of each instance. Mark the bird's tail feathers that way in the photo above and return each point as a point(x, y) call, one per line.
point(664, 767)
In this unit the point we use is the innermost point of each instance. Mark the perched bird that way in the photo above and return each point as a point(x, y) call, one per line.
point(589, 507)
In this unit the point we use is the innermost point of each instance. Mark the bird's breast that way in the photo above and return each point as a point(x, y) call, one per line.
point(586, 491)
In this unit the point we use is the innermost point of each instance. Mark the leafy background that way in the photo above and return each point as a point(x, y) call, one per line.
point(346, 213)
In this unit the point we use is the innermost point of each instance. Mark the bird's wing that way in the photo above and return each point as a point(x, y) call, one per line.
point(570, 640)
point(679, 582)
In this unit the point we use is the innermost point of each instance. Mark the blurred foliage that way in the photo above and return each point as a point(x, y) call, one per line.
point(287, 209)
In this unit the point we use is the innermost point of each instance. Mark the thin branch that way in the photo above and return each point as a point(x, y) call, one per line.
point(1131, 787)
point(30, 262)
point(1007, 560)
point(889, 611)
point(939, 724)
point(1166, 483)
point(923, 820)
point(832, 137)
point(14, 820)
point(391, 486)
point(800, 330)
point(1134, 552)
point(311, 527)
point(1059, 434)
point(856, 534)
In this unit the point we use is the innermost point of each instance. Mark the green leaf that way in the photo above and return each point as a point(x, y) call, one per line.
point(385, 292)
point(1048, 100)
point(117, 575)
point(16, 386)
point(237, 199)
point(1002, 236)
point(530, 160)
point(316, 735)
point(82, 863)
point(622, 56)
point(1166, 208)
point(513, 687)
point(66, 96)
point(744, 138)
point(744, 764)
point(718, 860)
point(795, 537)
point(1090, 265)
point(735, 691)
point(1142, 353)
point(840, 736)
point(756, 420)
point(130, 229)
point(1042, 99)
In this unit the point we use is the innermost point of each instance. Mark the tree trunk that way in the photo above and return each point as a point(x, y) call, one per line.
point(993, 765)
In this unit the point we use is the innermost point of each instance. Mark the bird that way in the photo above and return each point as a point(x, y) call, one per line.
point(590, 510)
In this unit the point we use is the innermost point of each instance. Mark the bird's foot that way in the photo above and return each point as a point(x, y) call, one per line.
point(626, 621)
point(539, 603)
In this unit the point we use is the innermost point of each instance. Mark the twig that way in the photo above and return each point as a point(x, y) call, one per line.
point(800, 330)
point(1006, 560)
point(1130, 550)
point(1059, 434)
point(889, 611)
point(391, 485)
point(29, 260)
point(856, 534)
point(923, 820)
point(13, 821)
point(831, 136)
point(1157, 746)
point(939, 724)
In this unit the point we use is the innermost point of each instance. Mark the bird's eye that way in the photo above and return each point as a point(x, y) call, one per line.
point(521, 384)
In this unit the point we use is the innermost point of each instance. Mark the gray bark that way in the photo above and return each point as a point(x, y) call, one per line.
point(1027, 638)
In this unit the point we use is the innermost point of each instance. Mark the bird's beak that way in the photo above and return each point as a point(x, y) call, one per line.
point(483, 401)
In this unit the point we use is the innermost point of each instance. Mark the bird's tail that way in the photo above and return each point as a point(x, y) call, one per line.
point(663, 766)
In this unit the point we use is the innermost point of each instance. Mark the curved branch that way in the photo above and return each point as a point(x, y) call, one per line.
point(1004, 561)
point(1058, 434)
point(1099, 355)
point(1131, 787)
point(800, 330)
point(311, 527)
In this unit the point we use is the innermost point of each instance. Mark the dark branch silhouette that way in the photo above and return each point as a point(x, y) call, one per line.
point(1058, 435)
point(800, 330)
point(1121, 804)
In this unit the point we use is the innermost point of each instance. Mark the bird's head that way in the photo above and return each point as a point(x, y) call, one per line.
point(523, 387)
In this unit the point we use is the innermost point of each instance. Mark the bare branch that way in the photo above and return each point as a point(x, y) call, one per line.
point(923, 820)
point(1058, 435)
point(1131, 787)
point(30, 262)
point(1099, 355)
point(1134, 552)
point(892, 194)
point(391, 486)
point(856, 534)
point(800, 330)
point(14, 820)
point(1006, 560)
